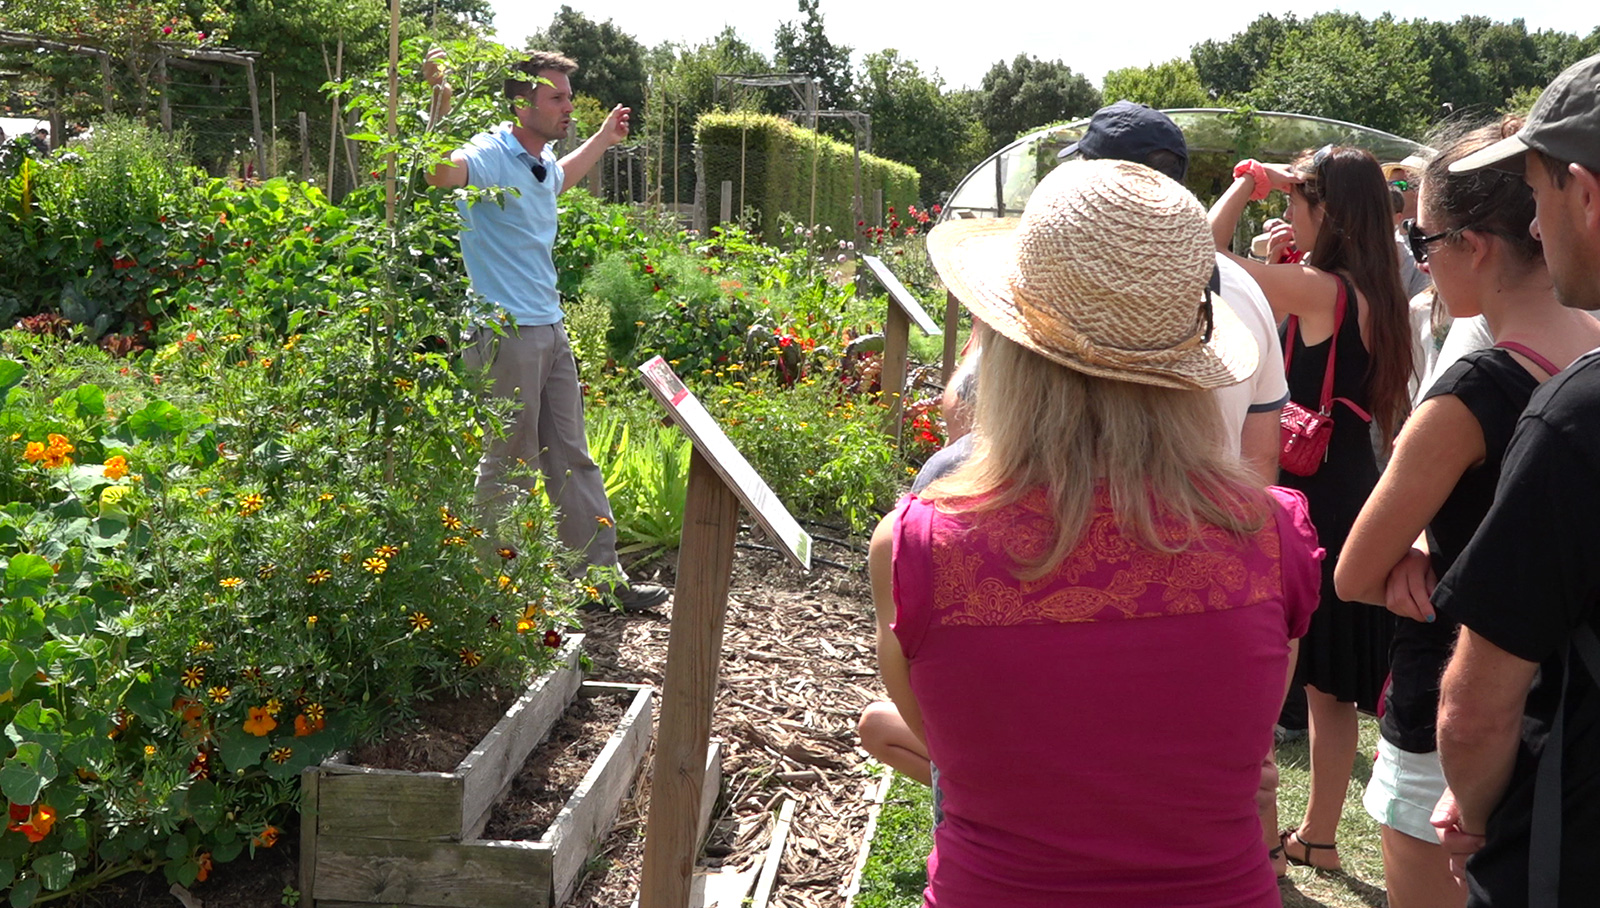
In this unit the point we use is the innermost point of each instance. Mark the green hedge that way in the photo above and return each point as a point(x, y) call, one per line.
point(775, 158)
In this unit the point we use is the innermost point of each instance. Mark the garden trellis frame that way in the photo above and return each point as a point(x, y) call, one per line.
point(165, 54)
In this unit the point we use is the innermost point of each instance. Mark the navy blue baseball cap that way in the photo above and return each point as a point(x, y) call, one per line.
point(1127, 131)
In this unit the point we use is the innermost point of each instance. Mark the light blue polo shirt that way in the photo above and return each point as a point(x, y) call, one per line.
point(507, 246)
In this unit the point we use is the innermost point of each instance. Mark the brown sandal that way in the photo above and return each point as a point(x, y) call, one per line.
point(1283, 841)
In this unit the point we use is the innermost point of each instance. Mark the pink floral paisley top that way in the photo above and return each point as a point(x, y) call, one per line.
point(1099, 733)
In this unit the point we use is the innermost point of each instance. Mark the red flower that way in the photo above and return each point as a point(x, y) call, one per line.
point(552, 638)
point(166, 30)
point(649, 269)
point(20, 812)
point(936, 208)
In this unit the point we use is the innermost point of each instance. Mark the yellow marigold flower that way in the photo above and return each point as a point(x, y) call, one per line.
point(250, 504)
point(470, 658)
point(15, 436)
point(318, 576)
point(273, 706)
point(219, 694)
point(475, 532)
point(279, 755)
point(229, 583)
point(149, 750)
point(311, 621)
point(346, 557)
point(204, 646)
point(314, 712)
point(293, 339)
point(386, 551)
point(420, 622)
point(404, 384)
point(194, 676)
point(116, 467)
point(524, 625)
point(375, 565)
point(34, 452)
point(450, 521)
point(230, 338)
point(503, 581)
point(591, 592)
point(325, 496)
point(454, 540)
point(266, 571)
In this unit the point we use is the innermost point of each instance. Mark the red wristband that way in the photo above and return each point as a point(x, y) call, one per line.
point(1258, 176)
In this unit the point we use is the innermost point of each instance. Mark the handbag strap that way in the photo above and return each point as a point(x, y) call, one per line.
point(1544, 836)
point(1538, 359)
point(1325, 405)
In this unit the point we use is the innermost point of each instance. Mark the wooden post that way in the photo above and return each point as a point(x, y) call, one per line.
point(896, 339)
point(744, 132)
point(394, 103)
point(952, 322)
point(107, 86)
point(255, 117)
point(272, 118)
point(675, 146)
point(727, 201)
point(877, 207)
point(705, 561)
point(164, 106)
point(305, 144)
point(333, 114)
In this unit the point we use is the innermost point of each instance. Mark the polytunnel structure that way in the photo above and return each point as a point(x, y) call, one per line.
point(1217, 139)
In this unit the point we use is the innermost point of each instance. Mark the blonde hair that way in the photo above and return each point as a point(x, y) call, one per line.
point(1159, 453)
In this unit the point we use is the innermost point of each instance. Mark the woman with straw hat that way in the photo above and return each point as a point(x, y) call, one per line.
point(1089, 623)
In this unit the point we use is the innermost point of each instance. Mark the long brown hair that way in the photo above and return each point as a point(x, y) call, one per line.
point(1356, 239)
point(1159, 453)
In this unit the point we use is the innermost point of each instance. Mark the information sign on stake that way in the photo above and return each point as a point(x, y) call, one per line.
point(900, 295)
point(903, 309)
point(719, 479)
point(710, 440)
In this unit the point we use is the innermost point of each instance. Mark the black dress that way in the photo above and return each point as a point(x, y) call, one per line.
point(1346, 652)
point(1495, 388)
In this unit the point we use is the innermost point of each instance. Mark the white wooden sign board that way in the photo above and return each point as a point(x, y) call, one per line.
point(708, 437)
point(901, 296)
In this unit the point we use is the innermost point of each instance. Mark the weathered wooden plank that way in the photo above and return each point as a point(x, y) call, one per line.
point(421, 806)
point(309, 812)
point(489, 768)
point(442, 874)
point(587, 816)
point(710, 788)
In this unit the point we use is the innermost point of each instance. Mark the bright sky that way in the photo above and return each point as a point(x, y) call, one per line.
point(961, 40)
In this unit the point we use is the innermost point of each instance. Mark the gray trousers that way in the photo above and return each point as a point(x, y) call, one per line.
point(534, 366)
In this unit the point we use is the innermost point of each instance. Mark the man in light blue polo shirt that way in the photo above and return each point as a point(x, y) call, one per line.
point(507, 245)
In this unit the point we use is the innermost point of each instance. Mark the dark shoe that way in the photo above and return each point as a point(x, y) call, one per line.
point(1305, 859)
point(639, 597)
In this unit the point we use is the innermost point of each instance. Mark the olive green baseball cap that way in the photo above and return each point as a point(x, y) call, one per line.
point(1564, 123)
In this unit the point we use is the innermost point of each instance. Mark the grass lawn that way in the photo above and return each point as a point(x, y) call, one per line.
point(895, 872)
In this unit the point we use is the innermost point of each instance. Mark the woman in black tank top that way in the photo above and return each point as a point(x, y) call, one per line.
point(1341, 218)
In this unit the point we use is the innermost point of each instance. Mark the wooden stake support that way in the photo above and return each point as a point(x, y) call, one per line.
point(903, 310)
point(952, 318)
point(719, 480)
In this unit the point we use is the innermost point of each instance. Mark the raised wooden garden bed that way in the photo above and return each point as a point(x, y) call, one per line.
point(388, 837)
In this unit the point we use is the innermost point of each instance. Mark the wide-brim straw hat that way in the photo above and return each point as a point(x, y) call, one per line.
point(1106, 273)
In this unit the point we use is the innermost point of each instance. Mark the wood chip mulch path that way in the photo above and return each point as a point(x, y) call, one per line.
point(798, 666)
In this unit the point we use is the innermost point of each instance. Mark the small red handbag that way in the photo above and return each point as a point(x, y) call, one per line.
point(1305, 434)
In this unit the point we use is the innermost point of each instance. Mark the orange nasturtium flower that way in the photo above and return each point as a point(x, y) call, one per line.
point(116, 467)
point(39, 823)
point(305, 724)
point(34, 452)
point(203, 862)
point(269, 837)
point(260, 721)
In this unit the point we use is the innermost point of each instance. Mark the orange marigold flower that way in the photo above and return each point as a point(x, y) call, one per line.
point(34, 452)
point(375, 565)
point(603, 520)
point(524, 625)
point(260, 721)
point(506, 552)
point(229, 583)
point(386, 551)
point(269, 837)
point(116, 467)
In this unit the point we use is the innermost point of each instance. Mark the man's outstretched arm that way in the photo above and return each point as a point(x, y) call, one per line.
point(452, 173)
point(576, 165)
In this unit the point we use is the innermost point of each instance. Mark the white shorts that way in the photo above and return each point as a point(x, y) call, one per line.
point(1404, 789)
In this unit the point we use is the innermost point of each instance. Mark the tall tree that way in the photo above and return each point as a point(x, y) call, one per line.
point(1174, 83)
point(1028, 93)
point(610, 61)
point(1228, 68)
point(685, 87)
point(450, 18)
point(1345, 68)
point(803, 47)
point(913, 121)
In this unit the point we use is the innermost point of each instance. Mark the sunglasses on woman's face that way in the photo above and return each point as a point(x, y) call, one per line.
point(1418, 242)
point(1402, 185)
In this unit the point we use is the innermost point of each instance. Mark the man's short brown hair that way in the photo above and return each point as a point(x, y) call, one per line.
point(536, 63)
